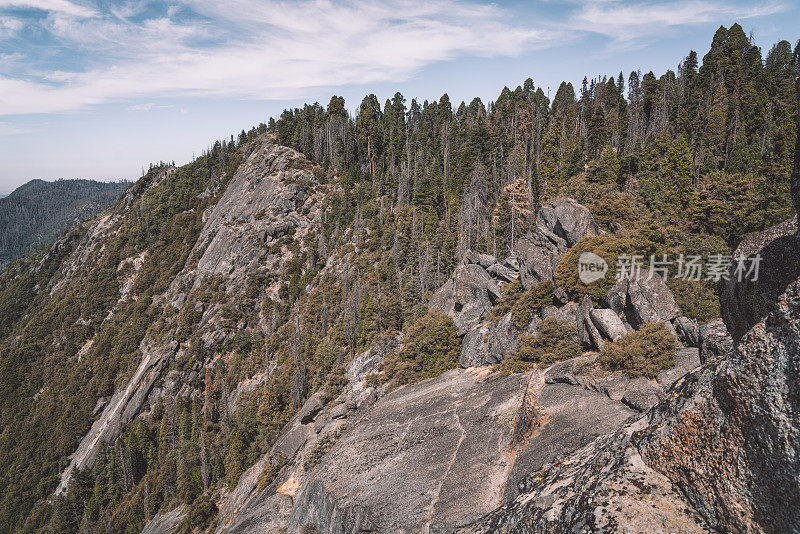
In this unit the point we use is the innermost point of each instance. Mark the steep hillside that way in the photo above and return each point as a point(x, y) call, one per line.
point(379, 323)
point(36, 213)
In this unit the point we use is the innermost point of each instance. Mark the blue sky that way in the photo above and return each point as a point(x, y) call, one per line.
point(99, 89)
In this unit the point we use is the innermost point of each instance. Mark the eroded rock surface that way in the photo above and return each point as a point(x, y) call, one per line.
point(643, 299)
point(265, 191)
point(720, 451)
point(744, 303)
point(567, 219)
point(428, 456)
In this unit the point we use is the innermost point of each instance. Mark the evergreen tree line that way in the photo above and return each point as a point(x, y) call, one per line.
point(689, 145)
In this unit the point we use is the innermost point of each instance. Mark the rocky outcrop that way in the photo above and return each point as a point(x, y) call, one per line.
point(686, 360)
point(489, 343)
point(538, 257)
point(688, 331)
point(370, 360)
point(402, 466)
point(566, 219)
point(715, 341)
point(588, 334)
point(744, 303)
point(263, 192)
point(642, 299)
point(608, 323)
point(121, 409)
point(721, 451)
point(407, 467)
point(468, 296)
point(603, 487)
point(167, 522)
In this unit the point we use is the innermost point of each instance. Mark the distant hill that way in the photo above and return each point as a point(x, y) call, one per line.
point(37, 212)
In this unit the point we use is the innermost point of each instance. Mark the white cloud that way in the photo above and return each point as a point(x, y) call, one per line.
point(270, 49)
point(9, 27)
point(625, 21)
point(53, 6)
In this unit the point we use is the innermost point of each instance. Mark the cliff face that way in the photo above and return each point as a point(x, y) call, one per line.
point(261, 204)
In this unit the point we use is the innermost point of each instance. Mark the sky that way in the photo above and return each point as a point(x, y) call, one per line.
point(99, 89)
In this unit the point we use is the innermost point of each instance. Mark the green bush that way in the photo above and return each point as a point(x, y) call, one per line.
point(202, 512)
point(531, 303)
point(641, 353)
point(697, 298)
point(556, 341)
point(566, 276)
point(512, 291)
point(271, 469)
point(431, 346)
point(327, 440)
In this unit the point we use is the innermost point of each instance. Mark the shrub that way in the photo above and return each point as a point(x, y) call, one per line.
point(531, 303)
point(431, 347)
point(697, 299)
point(202, 512)
point(270, 471)
point(606, 203)
point(566, 275)
point(327, 440)
point(556, 341)
point(641, 353)
point(512, 291)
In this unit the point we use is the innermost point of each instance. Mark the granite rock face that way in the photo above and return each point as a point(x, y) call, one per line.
point(744, 303)
point(733, 445)
point(407, 467)
point(715, 341)
point(468, 296)
point(643, 299)
point(488, 344)
point(538, 257)
point(720, 451)
point(688, 331)
point(424, 458)
point(567, 219)
point(165, 523)
point(262, 195)
point(608, 323)
point(603, 487)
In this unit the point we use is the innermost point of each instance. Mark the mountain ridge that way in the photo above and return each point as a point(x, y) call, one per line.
point(199, 355)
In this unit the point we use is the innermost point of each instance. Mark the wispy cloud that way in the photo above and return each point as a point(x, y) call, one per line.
point(268, 49)
point(625, 21)
point(11, 129)
point(53, 6)
point(9, 26)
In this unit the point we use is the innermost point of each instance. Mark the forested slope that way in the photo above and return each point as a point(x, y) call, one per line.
point(36, 213)
point(247, 280)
